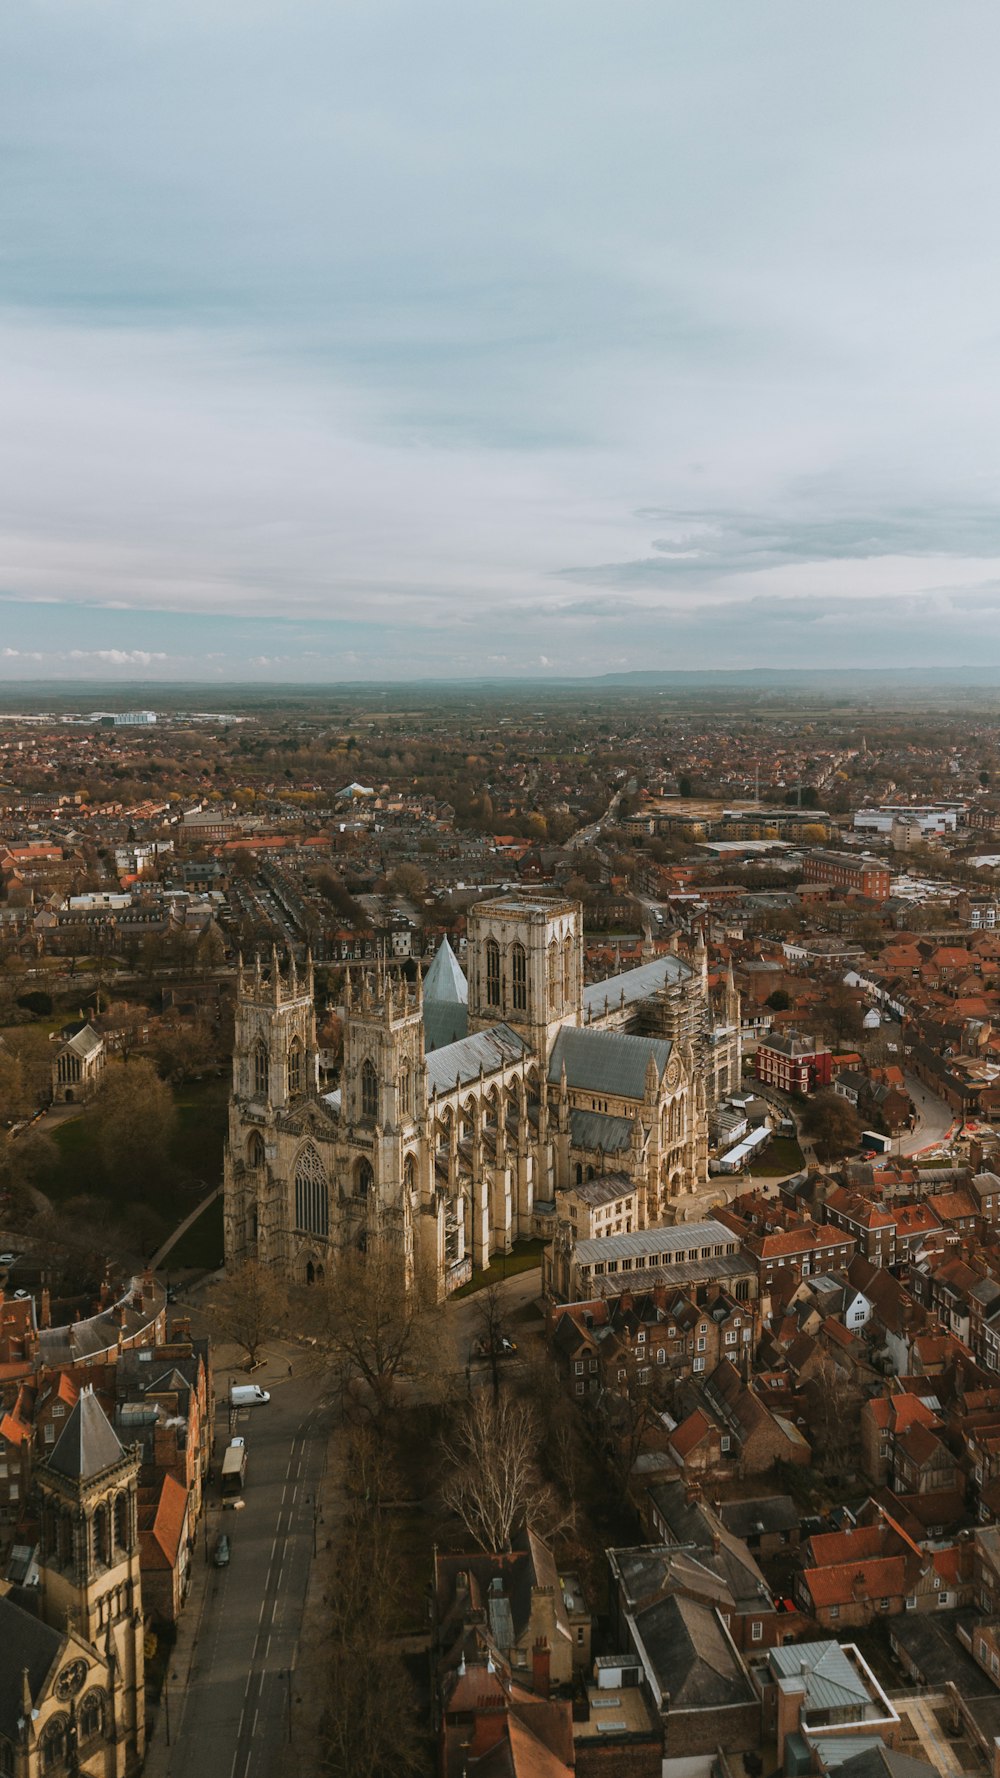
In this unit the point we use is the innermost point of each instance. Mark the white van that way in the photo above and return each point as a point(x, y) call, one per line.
point(247, 1395)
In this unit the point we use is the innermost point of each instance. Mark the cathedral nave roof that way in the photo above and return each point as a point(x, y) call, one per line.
point(607, 1061)
point(596, 1130)
point(484, 1051)
point(634, 984)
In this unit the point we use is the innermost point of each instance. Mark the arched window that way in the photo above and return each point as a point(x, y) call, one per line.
point(6, 1758)
point(312, 1197)
point(102, 1536)
point(364, 1179)
point(90, 1715)
point(554, 977)
point(121, 1521)
point(261, 1070)
point(369, 1090)
point(409, 1175)
point(255, 1150)
point(294, 1068)
point(569, 972)
point(55, 1743)
point(519, 978)
point(492, 972)
point(405, 1091)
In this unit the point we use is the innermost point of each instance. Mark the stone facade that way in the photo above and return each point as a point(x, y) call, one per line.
point(458, 1150)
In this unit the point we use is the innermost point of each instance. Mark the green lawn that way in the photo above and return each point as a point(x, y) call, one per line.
point(194, 1162)
point(525, 1255)
point(783, 1156)
point(201, 1245)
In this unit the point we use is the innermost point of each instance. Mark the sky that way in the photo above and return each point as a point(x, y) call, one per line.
point(363, 339)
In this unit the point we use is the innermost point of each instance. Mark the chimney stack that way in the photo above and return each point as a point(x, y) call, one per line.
point(540, 1668)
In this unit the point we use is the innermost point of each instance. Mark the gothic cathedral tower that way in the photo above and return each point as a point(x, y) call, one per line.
point(526, 968)
point(383, 1098)
point(274, 1067)
point(89, 1560)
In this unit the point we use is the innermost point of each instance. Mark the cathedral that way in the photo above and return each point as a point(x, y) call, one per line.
point(467, 1105)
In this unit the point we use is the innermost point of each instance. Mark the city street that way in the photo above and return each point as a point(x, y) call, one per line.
point(230, 1710)
point(935, 1120)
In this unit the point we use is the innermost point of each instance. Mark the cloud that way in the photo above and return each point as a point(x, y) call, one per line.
point(706, 545)
point(706, 334)
point(117, 657)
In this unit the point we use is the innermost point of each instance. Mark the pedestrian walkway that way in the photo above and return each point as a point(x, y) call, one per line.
point(157, 1763)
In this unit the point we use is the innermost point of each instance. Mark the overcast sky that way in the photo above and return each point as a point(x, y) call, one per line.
point(347, 339)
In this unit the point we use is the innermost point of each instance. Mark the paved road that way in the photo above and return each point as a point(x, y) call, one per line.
point(234, 1710)
point(934, 1119)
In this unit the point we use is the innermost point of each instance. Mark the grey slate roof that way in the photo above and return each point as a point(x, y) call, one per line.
point(635, 984)
point(99, 1333)
point(88, 1442)
point(445, 979)
point(83, 1043)
point(687, 1652)
point(594, 1129)
point(874, 1760)
point(606, 1061)
point(24, 1642)
point(490, 1050)
point(753, 1518)
point(832, 1682)
point(645, 1245)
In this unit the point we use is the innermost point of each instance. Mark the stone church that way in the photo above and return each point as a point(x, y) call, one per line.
point(72, 1676)
point(467, 1106)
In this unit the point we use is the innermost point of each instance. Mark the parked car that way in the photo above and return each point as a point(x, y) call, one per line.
point(220, 1555)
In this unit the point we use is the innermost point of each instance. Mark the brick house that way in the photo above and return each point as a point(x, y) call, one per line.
point(793, 1063)
point(166, 1540)
point(731, 1431)
point(873, 1228)
point(696, 1677)
point(875, 1570)
point(645, 1337)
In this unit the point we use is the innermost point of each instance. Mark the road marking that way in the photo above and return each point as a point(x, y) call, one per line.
point(262, 1605)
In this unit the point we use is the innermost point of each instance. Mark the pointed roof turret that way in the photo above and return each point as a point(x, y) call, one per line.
point(445, 980)
point(88, 1443)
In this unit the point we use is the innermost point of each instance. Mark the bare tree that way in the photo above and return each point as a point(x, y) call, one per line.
point(375, 1322)
point(493, 1481)
point(248, 1305)
point(370, 1726)
point(491, 1321)
point(833, 1404)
